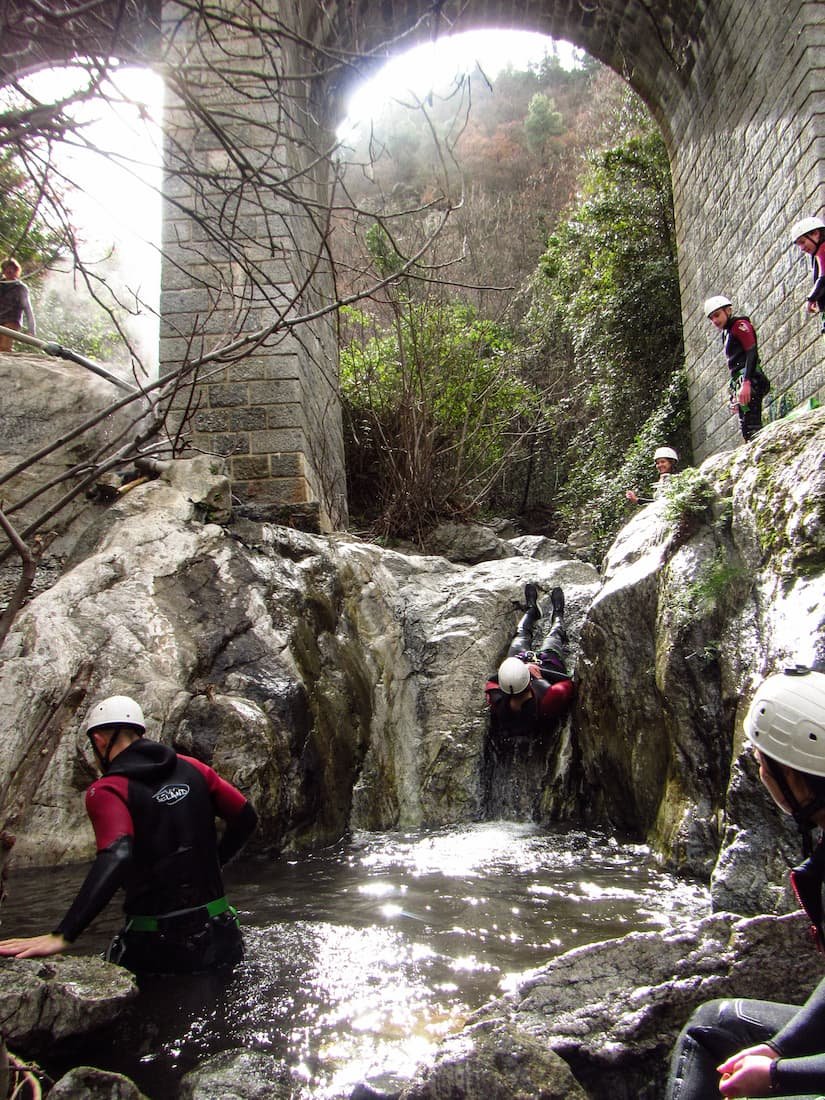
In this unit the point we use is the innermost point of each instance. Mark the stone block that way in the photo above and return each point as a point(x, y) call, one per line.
point(277, 490)
point(228, 394)
point(247, 468)
point(276, 392)
point(284, 416)
point(226, 443)
point(247, 419)
point(286, 465)
point(211, 420)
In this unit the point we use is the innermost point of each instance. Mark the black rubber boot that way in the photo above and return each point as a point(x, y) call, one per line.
point(531, 599)
point(557, 600)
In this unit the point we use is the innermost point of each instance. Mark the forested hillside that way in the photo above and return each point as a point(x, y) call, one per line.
point(524, 357)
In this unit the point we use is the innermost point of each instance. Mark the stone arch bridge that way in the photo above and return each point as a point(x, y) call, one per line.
point(737, 87)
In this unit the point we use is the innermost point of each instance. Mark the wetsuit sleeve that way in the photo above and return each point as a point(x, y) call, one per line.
point(818, 293)
point(231, 805)
point(27, 309)
point(797, 1076)
point(556, 699)
point(745, 333)
point(114, 834)
point(803, 1033)
point(106, 875)
point(238, 830)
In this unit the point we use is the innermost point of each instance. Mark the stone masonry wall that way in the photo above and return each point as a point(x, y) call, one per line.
point(748, 159)
point(235, 263)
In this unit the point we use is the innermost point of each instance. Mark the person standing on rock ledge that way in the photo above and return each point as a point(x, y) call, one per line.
point(760, 1048)
point(153, 813)
point(748, 385)
point(531, 689)
point(14, 302)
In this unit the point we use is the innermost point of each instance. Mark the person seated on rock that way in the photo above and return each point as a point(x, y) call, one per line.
point(760, 1048)
point(531, 689)
point(153, 813)
point(665, 459)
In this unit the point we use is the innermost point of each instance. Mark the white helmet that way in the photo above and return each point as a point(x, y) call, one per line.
point(117, 710)
point(513, 676)
point(716, 301)
point(805, 226)
point(665, 452)
point(786, 719)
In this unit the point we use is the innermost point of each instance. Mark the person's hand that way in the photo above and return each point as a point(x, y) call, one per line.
point(632, 497)
point(747, 1073)
point(811, 307)
point(34, 947)
point(745, 393)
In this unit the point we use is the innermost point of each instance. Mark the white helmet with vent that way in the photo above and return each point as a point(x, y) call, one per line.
point(117, 710)
point(513, 676)
point(786, 719)
point(717, 301)
point(665, 452)
point(805, 226)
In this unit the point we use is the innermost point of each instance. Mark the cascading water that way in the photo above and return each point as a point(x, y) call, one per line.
point(361, 958)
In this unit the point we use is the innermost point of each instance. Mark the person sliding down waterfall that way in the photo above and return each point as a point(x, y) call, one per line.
point(531, 689)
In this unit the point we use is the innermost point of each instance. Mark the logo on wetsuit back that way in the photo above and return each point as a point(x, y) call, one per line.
point(171, 793)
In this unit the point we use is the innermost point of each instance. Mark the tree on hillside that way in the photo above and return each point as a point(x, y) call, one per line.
point(24, 231)
point(542, 123)
point(434, 407)
point(510, 196)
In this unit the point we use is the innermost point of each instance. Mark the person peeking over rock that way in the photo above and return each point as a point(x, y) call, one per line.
point(153, 813)
point(531, 689)
point(665, 459)
point(735, 1047)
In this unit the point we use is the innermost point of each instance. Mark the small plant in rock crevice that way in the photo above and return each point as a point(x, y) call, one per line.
point(704, 595)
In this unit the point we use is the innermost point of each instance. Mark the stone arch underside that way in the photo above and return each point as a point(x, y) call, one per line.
point(737, 87)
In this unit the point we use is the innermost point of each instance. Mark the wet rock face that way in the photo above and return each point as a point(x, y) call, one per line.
point(89, 1083)
point(44, 1000)
point(338, 684)
point(705, 593)
point(241, 1074)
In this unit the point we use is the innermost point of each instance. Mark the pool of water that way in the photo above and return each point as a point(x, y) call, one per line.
point(361, 958)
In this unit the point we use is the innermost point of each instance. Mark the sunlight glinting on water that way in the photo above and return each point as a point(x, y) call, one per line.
point(361, 960)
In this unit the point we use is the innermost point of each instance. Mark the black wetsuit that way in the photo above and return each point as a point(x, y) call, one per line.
point(153, 813)
point(741, 352)
point(818, 293)
point(796, 1034)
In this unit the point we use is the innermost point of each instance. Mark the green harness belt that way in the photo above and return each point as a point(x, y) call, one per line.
point(153, 924)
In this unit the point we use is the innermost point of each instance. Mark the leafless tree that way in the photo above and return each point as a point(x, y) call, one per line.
point(251, 162)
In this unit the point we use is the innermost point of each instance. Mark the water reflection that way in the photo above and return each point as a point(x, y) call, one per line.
point(361, 959)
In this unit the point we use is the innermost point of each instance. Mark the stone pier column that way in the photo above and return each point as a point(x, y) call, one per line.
point(242, 228)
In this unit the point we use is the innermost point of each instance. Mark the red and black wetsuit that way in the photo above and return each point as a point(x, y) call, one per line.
point(742, 354)
point(548, 702)
point(153, 813)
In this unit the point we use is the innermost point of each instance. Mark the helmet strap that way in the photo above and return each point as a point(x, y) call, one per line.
point(104, 758)
point(802, 814)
